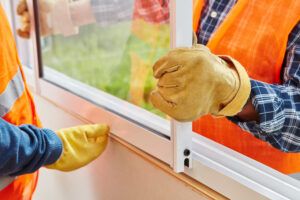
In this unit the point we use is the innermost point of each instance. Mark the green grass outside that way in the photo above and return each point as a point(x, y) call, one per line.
point(98, 56)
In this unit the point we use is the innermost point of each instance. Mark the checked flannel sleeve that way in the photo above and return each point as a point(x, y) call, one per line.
point(278, 106)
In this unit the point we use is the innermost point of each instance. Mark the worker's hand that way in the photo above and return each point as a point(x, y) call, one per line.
point(81, 145)
point(45, 7)
point(193, 82)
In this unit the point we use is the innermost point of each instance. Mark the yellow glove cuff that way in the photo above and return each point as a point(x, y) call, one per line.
point(241, 97)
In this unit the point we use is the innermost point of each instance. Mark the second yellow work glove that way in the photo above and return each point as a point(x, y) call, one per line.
point(45, 7)
point(193, 82)
point(81, 145)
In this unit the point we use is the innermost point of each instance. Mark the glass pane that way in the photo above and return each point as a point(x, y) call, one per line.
point(108, 44)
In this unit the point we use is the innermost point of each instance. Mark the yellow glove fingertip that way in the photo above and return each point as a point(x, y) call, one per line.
point(102, 128)
point(96, 130)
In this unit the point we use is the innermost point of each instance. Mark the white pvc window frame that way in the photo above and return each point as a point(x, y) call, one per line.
point(242, 169)
point(164, 140)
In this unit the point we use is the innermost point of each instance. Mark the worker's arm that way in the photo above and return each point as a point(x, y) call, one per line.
point(278, 110)
point(273, 111)
point(24, 149)
point(192, 83)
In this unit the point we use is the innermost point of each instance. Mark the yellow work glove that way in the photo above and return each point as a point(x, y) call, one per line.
point(193, 82)
point(45, 7)
point(81, 145)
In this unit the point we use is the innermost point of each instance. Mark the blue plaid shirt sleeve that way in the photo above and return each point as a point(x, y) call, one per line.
point(278, 106)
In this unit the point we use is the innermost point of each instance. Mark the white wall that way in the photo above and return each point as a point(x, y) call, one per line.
point(120, 174)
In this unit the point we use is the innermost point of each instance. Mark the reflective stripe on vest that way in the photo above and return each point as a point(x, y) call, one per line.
point(5, 181)
point(12, 92)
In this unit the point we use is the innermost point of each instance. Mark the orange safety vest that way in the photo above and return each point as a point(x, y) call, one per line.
point(16, 105)
point(255, 33)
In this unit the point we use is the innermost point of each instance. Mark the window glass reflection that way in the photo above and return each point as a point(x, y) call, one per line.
point(107, 44)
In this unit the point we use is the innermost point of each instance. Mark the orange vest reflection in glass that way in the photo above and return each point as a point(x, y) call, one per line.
point(254, 33)
point(16, 105)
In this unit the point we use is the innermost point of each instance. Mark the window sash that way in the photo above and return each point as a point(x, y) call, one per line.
point(249, 172)
point(236, 166)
